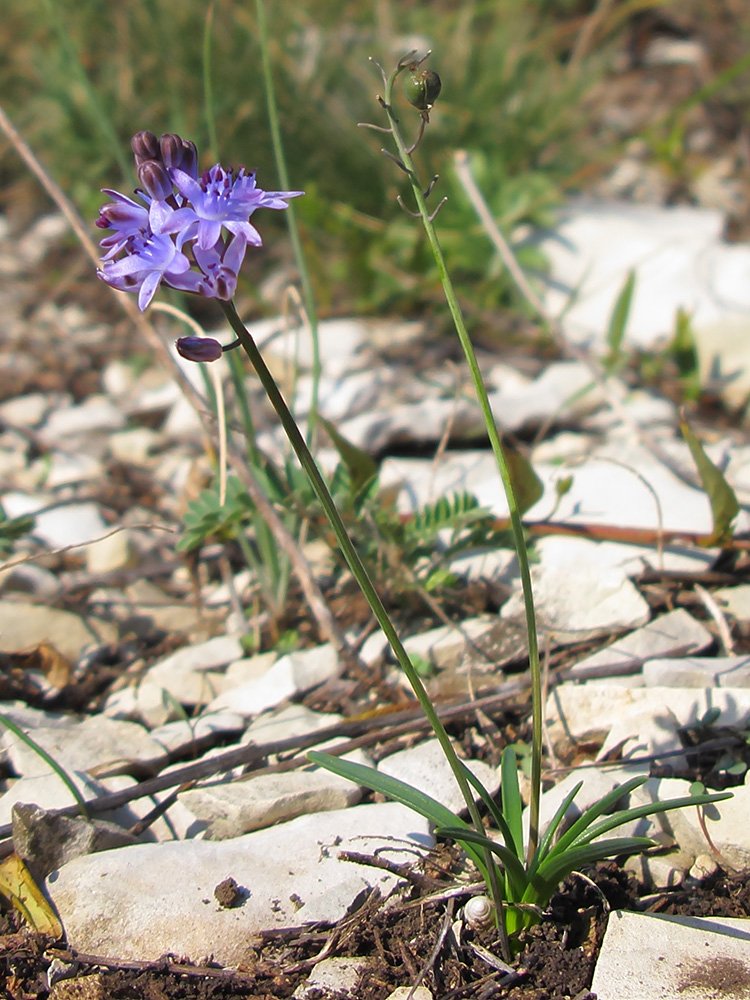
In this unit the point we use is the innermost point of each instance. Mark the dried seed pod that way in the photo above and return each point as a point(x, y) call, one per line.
point(421, 88)
point(479, 911)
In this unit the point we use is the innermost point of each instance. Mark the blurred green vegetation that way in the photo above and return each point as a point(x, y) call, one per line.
point(83, 75)
point(80, 76)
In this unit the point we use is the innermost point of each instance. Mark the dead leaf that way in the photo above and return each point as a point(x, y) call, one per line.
point(17, 885)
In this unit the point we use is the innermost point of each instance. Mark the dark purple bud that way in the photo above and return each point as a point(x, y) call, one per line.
point(179, 153)
point(154, 177)
point(189, 158)
point(170, 147)
point(198, 348)
point(145, 146)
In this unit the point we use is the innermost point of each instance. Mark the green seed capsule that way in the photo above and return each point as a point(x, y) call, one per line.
point(421, 87)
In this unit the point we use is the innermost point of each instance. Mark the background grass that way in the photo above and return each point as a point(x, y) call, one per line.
point(80, 76)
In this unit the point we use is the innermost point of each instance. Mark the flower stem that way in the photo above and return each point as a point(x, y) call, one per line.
point(349, 552)
point(404, 154)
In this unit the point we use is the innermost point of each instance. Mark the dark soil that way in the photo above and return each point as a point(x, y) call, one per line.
point(556, 961)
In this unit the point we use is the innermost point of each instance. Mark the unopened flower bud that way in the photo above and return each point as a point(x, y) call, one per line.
point(170, 147)
point(179, 153)
point(145, 146)
point(421, 87)
point(154, 177)
point(199, 348)
point(189, 162)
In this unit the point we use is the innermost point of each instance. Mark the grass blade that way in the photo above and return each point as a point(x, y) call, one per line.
point(50, 761)
point(398, 791)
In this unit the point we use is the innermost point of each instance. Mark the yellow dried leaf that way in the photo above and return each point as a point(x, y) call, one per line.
point(17, 885)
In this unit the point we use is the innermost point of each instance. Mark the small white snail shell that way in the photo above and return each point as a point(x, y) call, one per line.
point(478, 912)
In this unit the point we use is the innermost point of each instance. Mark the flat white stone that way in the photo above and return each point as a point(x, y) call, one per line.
point(249, 668)
point(134, 446)
point(24, 411)
point(233, 809)
point(673, 634)
point(407, 993)
point(24, 625)
point(726, 822)
point(209, 655)
point(289, 675)
point(579, 590)
point(48, 791)
point(288, 722)
point(648, 956)
point(680, 259)
point(558, 390)
point(71, 524)
point(111, 551)
point(698, 671)
point(419, 422)
point(69, 470)
point(140, 902)
point(97, 414)
point(93, 742)
point(150, 704)
point(660, 871)
point(334, 978)
point(183, 732)
point(447, 646)
point(579, 711)
point(424, 767)
point(651, 725)
point(735, 600)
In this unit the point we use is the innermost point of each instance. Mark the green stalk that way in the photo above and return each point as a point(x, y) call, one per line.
point(497, 448)
point(50, 761)
point(362, 577)
point(291, 215)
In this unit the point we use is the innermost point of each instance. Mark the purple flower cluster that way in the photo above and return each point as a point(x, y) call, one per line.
point(191, 232)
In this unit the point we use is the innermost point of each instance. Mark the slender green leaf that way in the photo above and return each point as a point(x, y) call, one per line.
point(604, 805)
point(512, 802)
point(685, 354)
point(362, 467)
point(549, 834)
point(721, 496)
point(398, 791)
point(514, 889)
point(50, 761)
point(467, 836)
point(554, 869)
point(527, 486)
point(647, 809)
point(617, 323)
point(492, 806)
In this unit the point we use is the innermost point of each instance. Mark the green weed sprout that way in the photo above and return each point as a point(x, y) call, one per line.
point(528, 882)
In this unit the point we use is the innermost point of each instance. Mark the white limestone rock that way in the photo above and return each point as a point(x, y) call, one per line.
point(698, 671)
point(424, 767)
point(233, 809)
point(677, 957)
point(580, 591)
point(333, 979)
point(292, 674)
point(93, 742)
point(140, 902)
point(674, 634)
point(24, 625)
